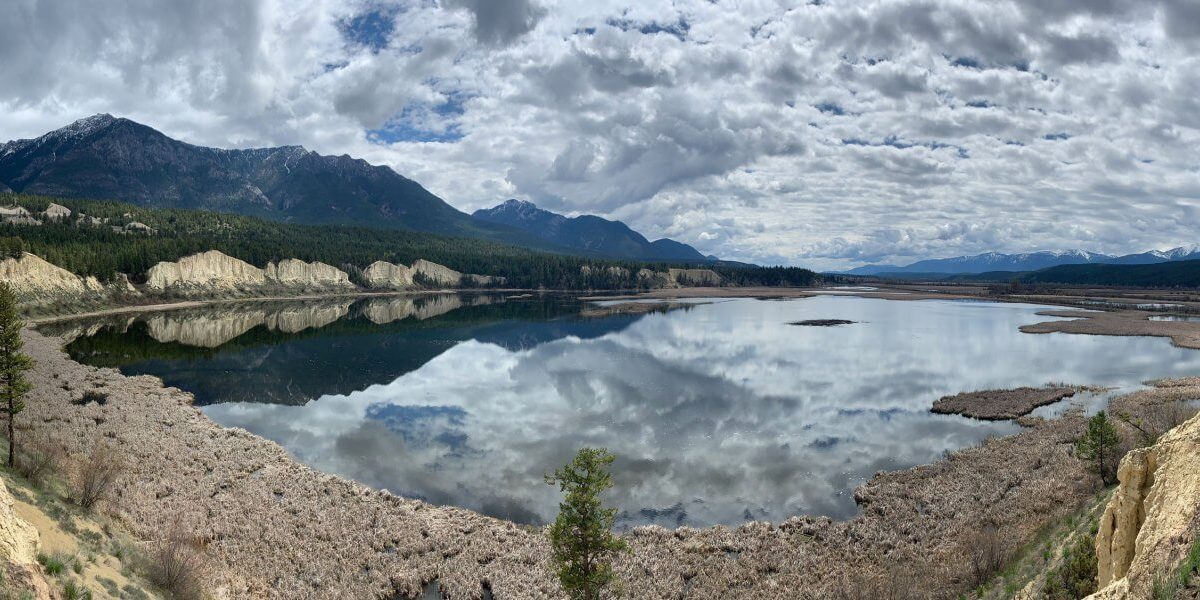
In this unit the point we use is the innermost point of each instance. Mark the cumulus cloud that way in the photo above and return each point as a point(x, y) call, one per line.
point(797, 133)
point(501, 21)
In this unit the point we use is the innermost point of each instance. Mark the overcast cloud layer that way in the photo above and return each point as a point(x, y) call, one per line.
point(826, 134)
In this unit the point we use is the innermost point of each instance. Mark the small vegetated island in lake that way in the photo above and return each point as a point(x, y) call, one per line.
point(821, 322)
point(1002, 404)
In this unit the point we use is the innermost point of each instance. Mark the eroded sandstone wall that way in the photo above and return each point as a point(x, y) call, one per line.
point(1149, 522)
point(385, 275)
point(18, 553)
point(693, 277)
point(213, 271)
point(436, 273)
point(294, 272)
point(37, 281)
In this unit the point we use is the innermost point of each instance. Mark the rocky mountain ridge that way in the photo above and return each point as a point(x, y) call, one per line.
point(586, 233)
point(1028, 261)
point(103, 156)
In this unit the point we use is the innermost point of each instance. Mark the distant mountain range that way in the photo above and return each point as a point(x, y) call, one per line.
point(114, 158)
point(1029, 261)
point(588, 233)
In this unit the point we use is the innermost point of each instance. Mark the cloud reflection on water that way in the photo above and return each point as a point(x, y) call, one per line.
point(717, 414)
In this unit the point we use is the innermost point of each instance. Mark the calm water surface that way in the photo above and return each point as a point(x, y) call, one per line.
point(718, 413)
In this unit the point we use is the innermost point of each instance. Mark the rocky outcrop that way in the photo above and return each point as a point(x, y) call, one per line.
point(436, 274)
point(37, 281)
point(56, 211)
point(293, 272)
point(385, 275)
point(1150, 520)
point(213, 271)
point(614, 272)
point(210, 270)
point(18, 539)
point(17, 215)
point(18, 552)
point(693, 277)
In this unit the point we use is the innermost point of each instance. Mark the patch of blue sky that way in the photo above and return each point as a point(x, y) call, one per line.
point(371, 29)
point(417, 123)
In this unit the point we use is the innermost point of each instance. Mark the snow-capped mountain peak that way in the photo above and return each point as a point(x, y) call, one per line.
point(1180, 252)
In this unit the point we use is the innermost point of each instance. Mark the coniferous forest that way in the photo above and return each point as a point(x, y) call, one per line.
point(107, 248)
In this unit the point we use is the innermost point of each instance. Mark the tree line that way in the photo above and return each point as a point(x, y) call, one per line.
point(106, 249)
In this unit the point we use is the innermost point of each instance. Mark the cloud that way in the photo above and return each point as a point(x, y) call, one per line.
point(769, 133)
point(501, 21)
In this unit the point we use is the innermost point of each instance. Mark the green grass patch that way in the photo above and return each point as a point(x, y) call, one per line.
point(52, 565)
point(1167, 587)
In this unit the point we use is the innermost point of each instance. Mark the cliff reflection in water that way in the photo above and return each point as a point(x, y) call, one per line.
point(292, 352)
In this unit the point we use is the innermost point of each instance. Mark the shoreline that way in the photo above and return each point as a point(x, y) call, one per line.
point(182, 304)
point(277, 528)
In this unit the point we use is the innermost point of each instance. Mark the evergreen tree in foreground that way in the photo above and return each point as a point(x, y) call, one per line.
point(1099, 447)
point(13, 365)
point(581, 536)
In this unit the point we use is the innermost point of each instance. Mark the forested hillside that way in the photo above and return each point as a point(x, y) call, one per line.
point(106, 248)
point(1184, 273)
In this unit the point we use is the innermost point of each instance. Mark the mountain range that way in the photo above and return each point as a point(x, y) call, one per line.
point(588, 233)
point(103, 156)
point(1028, 261)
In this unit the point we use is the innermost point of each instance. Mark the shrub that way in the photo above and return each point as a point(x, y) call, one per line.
point(97, 476)
point(987, 553)
point(1153, 420)
point(75, 591)
point(52, 565)
point(1075, 578)
point(39, 459)
point(176, 564)
point(1167, 587)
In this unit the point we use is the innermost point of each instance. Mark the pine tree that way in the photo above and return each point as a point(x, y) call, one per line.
point(13, 365)
point(1099, 443)
point(581, 538)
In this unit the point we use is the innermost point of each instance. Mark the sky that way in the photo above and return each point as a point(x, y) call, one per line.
point(827, 133)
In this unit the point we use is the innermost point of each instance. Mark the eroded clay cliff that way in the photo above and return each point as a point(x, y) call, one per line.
point(693, 277)
point(213, 271)
point(37, 281)
point(1151, 520)
point(383, 275)
point(18, 552)
point(313, 275)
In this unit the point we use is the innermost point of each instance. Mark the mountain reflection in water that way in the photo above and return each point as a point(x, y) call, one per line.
point(718, 413)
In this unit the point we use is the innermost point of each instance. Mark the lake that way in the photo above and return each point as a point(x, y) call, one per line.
point(719, 412)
